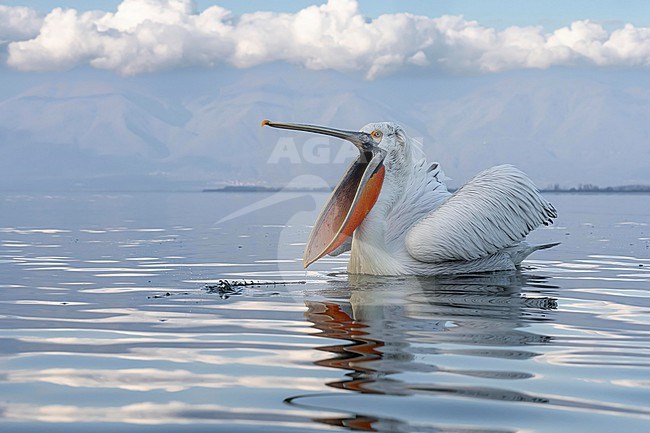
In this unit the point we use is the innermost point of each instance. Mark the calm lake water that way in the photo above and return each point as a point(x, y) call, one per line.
point(107, 324)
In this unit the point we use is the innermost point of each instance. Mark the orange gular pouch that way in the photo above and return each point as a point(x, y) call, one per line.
point(352, 199)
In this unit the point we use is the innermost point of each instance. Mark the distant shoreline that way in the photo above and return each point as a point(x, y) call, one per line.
point(257, 188)
point(602, 191)
point(591, 190)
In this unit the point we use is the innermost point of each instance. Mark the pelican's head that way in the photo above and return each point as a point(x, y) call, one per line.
point(383, 152)
point(391, 139)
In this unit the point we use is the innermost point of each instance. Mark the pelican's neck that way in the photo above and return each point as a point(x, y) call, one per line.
point(378, 244)
point(371, 253)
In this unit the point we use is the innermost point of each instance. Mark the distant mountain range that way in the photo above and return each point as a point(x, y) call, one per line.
point(193, 130)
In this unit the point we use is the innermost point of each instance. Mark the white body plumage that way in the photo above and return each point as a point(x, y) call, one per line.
point(417, 227)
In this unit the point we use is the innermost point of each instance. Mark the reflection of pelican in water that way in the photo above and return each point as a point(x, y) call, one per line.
point(392, 334)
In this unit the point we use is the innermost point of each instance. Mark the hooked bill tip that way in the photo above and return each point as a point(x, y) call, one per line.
point(265, 122)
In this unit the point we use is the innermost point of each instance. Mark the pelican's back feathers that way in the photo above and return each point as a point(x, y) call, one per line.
point(494, 210)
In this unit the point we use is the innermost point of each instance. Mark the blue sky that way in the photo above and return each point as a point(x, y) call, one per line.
point(497, 13)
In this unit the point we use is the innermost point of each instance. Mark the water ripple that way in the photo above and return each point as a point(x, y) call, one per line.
point(114, 327)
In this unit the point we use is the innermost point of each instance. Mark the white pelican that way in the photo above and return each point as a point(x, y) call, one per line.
point(393, 210)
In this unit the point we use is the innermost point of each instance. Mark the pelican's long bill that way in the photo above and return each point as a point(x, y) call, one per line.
point(353, 197)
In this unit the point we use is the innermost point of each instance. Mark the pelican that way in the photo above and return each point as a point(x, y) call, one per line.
point(394, 213)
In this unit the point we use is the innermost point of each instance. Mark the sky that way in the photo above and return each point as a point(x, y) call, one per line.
point(170, 49)
point(498, 13)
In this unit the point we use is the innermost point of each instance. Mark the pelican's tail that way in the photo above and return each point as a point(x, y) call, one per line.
point(545, 246)
point(522, 250)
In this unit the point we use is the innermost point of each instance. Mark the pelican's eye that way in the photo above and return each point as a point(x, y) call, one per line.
point(376, 134)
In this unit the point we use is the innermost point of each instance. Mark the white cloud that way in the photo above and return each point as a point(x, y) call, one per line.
point(149, 35)
point(18, 22)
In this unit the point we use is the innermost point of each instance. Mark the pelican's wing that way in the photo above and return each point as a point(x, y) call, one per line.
point(494, 210)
